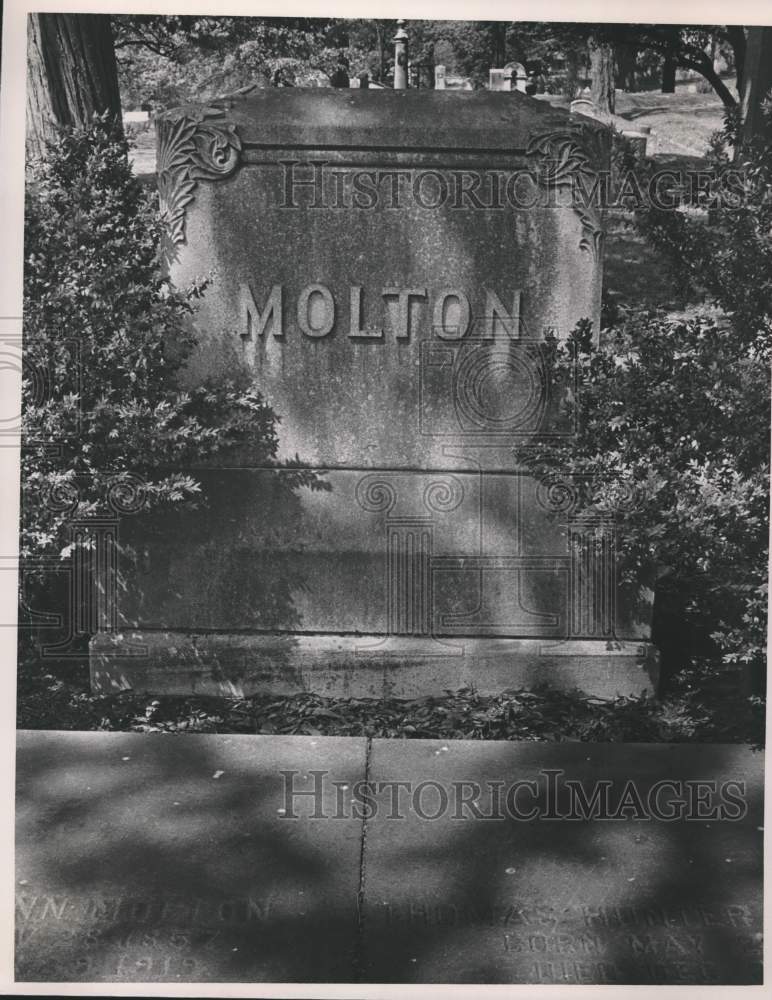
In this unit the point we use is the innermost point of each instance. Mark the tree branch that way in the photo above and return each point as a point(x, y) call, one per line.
point(703, 65)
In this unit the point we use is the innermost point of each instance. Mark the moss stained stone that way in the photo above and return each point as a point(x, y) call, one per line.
point(388, 267)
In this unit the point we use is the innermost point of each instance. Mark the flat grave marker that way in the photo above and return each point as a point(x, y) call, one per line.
point(151, 858)
point(481, 899)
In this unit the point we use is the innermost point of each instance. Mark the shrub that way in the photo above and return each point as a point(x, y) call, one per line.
point(673, 418)
point(728, 255)
point(106, 336)
point(673, 443)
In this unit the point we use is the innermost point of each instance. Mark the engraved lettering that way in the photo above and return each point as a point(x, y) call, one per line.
point(451, 322)
point(56, 908)
point(403, 296)
point(257, 910)
point(496, 313)
point(257, 319)
point(25, 905)
point(316, 311)
point(355, 320)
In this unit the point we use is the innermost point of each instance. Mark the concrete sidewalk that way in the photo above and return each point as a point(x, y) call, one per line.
point(172, 858)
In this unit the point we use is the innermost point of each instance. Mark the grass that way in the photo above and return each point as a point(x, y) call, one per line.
point(633, 272)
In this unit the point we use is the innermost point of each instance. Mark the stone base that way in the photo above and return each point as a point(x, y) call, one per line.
point(238, 665)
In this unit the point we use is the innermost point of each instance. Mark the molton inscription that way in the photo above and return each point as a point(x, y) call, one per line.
point(404, 312)
point(42, 908)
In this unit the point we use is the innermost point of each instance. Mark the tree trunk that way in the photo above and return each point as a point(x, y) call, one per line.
point(627, 61)
point(430, 66)
point(572, 74)
point(668, 74)
point(498, 43)
point(71, 73)
point(381, 53)
point(602, 75)
point(736, 35)
point(757, 81)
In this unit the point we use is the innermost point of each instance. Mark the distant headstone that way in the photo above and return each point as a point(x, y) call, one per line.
point(401, 57)
point(519, 76)
point(439, 77)
point(584, 106)
point(136, 117)
point(499, 79)
point(637, 140)
point(387, 267)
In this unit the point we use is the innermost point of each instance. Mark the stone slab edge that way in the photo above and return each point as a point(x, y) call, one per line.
point(239, 666)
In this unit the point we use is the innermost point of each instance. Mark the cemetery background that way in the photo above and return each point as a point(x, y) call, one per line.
point(148, 859)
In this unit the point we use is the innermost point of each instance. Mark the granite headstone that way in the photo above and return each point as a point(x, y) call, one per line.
point(388, 267)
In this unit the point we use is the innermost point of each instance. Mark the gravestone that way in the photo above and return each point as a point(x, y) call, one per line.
point(389, 268)
point(584, 106)
point(490, 864)
point(519, 76)
point(151, 860)
point(212, 858)
point(499, 79)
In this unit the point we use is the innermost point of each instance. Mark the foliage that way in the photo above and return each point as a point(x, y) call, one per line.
point(687, 45)
point(171, 60)
point(672, 443)
point(673, 421)
point(703, 708)
point(728, 255)
point(105, 338)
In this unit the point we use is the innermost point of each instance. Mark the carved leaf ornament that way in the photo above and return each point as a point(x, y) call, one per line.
point(192, 146)
point(201, 144)
point(562, 162)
